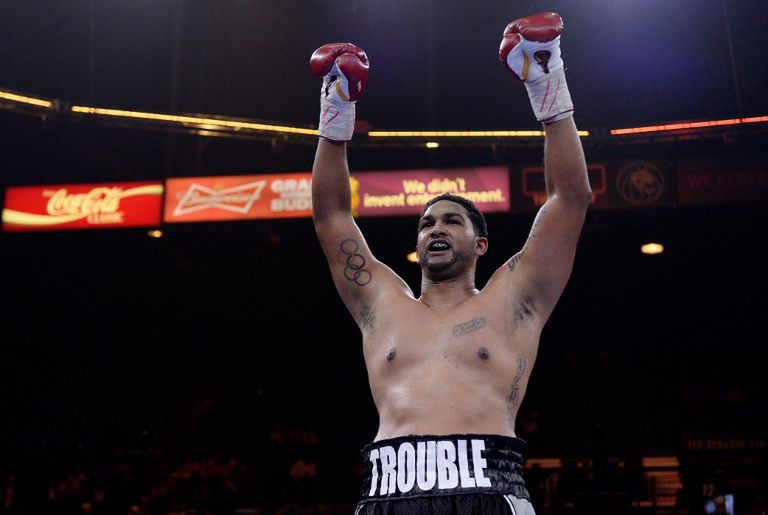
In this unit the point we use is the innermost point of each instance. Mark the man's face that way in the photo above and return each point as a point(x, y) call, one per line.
point(446, 237)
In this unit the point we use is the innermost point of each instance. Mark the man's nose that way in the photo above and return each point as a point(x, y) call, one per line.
point(437, 230)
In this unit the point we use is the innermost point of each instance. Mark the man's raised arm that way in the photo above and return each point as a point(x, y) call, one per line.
point(358, 276)
point(344, 69)
point(530, 50)
point(331, 193)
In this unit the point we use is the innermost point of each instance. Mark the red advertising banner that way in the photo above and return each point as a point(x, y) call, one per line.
point(616, 184)
point(404, 192)
point(238, 197)
point(82, 206)
point(534, 188)
point(722, 179)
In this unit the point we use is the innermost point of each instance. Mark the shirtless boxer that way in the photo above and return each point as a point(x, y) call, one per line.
point(449, 369)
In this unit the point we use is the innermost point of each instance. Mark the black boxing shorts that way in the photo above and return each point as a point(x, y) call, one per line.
point(427, 474)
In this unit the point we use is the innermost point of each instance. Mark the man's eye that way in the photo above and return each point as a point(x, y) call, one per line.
point(427, 224)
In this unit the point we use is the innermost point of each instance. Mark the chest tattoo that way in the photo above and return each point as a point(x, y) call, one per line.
point(467, 327)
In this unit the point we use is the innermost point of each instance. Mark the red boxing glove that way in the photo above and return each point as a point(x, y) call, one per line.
point(344, 68)
point(534, 36)
point(351, 62)
point(530, 50)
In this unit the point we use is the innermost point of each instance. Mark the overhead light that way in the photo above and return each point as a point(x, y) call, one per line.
point(24, 99)
point(412, 257)
point(453, 134)
point(432, 144)
point(200, 122)
point(155, 233)
point(205, 132)
point(688, 125)
point(652, 248)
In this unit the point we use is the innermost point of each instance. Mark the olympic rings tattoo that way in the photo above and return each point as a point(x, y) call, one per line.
point(354, 270)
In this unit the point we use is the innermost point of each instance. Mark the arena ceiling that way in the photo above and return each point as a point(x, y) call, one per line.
point(434, 64)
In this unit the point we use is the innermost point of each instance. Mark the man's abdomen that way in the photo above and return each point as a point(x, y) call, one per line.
point(446, 398)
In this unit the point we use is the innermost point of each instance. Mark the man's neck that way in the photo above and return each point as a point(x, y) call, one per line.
point(447, 293)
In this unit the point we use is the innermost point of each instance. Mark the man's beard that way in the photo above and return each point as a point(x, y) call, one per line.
point(442, 266)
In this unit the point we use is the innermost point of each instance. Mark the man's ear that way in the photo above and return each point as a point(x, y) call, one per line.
point(481, 245)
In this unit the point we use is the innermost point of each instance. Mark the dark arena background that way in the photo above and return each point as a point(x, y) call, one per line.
point(212, 368)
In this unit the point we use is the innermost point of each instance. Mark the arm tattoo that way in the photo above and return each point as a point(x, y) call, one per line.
point(512, 263)
point(537, 221)
point(354, 263)
point(368, 317)
point(468, 327)
point(514, 260)
point(513, 399)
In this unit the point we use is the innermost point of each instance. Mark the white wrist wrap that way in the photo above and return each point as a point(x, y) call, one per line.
point(550, 98)
point(337, 116)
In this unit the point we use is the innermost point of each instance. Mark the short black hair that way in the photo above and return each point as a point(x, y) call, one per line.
point(477, 218)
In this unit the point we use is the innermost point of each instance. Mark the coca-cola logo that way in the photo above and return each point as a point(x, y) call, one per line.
point(98, 200)
point(31, 207)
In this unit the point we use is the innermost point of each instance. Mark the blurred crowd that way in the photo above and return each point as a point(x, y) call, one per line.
point(295, 467)
point(284, 477)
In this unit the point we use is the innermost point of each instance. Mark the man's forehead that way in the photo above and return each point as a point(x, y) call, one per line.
point(446, 207)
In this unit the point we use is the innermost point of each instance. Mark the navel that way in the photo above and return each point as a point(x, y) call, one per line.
point(391, 354)
point(483, 353)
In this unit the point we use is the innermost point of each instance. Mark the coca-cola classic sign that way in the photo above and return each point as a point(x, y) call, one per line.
point(82, 206)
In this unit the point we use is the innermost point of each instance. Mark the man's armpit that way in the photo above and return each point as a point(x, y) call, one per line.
point(368, 317)
point(356, 267)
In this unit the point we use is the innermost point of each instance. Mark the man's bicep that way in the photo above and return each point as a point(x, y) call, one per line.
point(358, 276)
point(542, 268)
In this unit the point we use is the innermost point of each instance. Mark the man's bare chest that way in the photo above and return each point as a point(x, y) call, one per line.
point(474, 335)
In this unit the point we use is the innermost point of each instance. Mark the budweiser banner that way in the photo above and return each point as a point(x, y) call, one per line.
point(247, 197)
point(404, 192)
point(238, 197)
point(722, 179)
point(82, 206)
